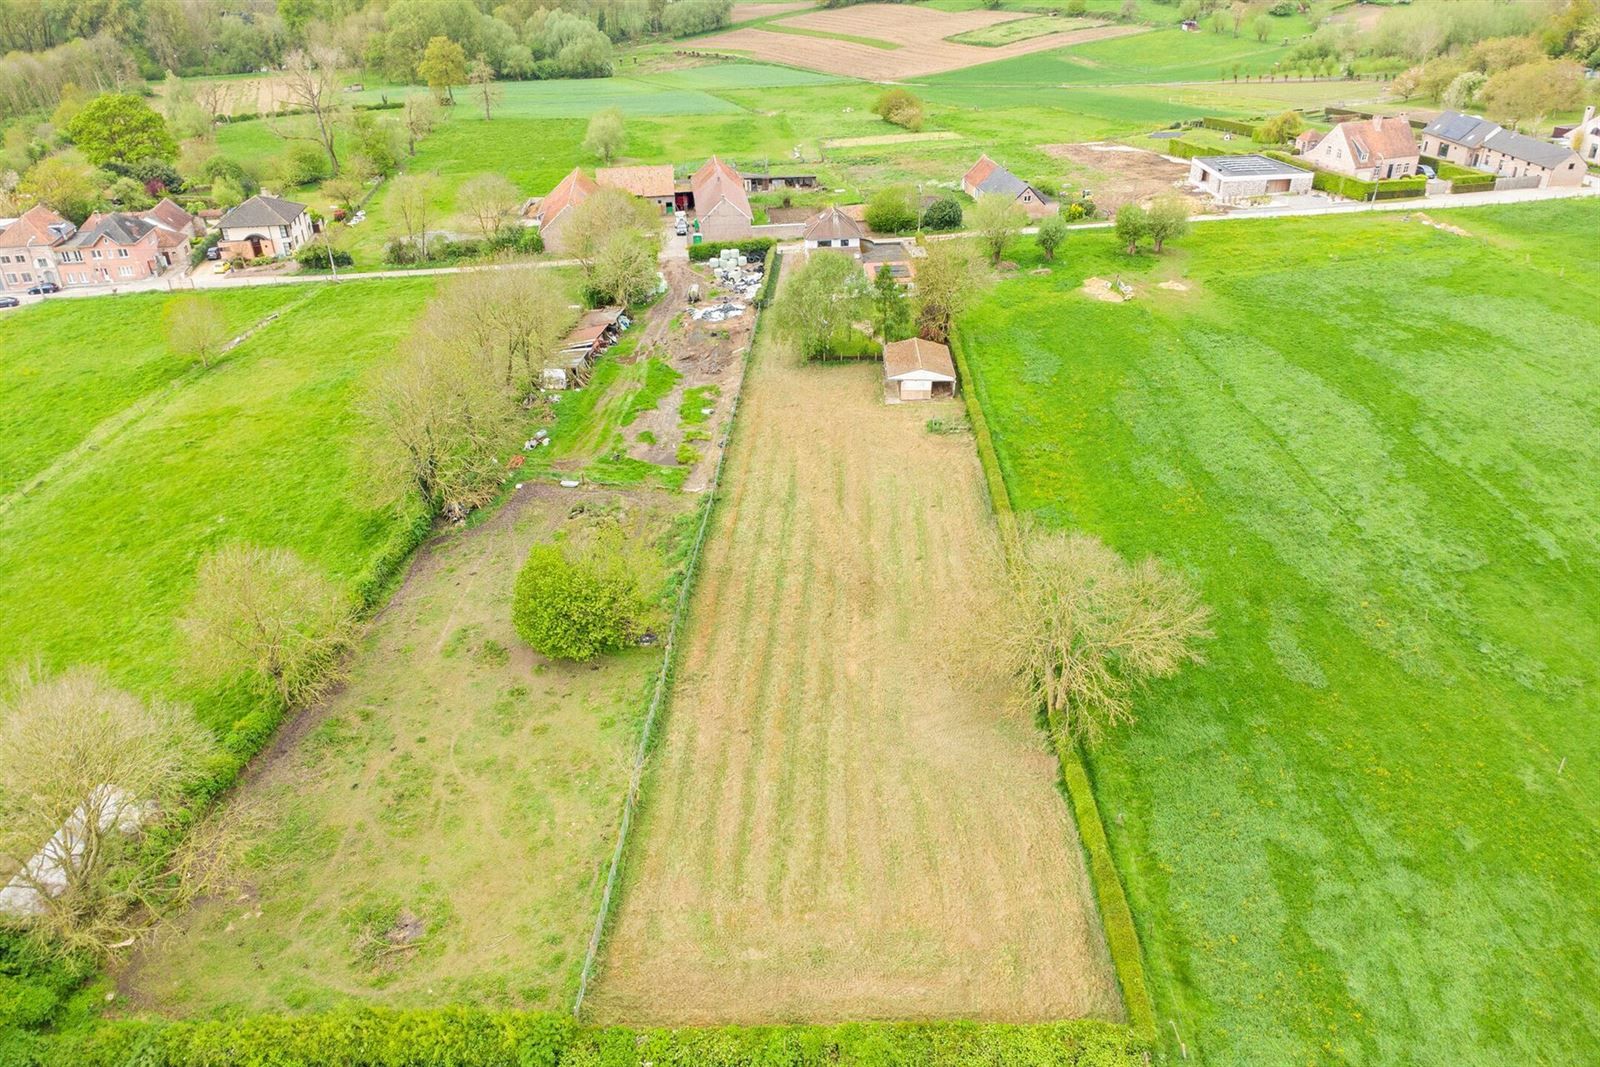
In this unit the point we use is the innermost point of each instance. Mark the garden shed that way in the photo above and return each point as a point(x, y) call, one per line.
point(916, 369)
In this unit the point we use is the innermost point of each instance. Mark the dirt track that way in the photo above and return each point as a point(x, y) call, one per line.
point(920, 37)
point(836, 825)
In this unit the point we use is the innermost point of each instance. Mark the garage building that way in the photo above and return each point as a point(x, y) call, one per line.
point(917, 370)
point(1230, 178)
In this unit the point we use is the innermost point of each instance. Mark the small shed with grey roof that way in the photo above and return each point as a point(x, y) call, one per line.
point(1232, 178)
point(916, 369)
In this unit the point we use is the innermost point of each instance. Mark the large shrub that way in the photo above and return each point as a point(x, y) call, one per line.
point(943, 214)
point(575, 601)
point(892, 210)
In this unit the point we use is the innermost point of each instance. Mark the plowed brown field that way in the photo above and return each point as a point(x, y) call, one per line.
point(919, 32)
point(838, 825)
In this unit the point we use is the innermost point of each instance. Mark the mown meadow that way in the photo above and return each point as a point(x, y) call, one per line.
point(1365, 830)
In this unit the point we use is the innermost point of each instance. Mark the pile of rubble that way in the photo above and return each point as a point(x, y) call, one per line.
point(717, 312)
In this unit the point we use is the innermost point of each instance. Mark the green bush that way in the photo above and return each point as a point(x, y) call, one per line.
point(892, 210)
point(943, 214)
point(1229, 126)
point(749, 246)
point(575, 602)
point(303, 164)
point(315, 255)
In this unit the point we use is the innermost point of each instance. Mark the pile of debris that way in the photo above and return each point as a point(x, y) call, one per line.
point(733, 272)
point(717, 312)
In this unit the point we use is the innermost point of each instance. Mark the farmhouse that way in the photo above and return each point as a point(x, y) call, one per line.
point(917, 370)
point(127, 246)
point(1471, 141)
point(264, 226)
point(722, 210)
point(552, 213)
point(1370, 149)
point(833, 229)
point(988, 178)
point(652, 183)
point(26, 248)
point(1233, 178)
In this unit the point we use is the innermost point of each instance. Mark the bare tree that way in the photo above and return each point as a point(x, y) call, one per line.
point(195, 328)
point(512, 319)
point(481, 77)
point(84, 767)
point(266, 614)
point(1084, 629)
point(446, 417)
point(215, 97)
point(311, 83)
point(996, 221)
point(947, 278)
point(418, 118)
point(411, 198)
point(492, 201)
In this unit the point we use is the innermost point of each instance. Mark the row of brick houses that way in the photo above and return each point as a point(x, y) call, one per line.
point(715, 194)
point(42, 247)
point(1470, 141)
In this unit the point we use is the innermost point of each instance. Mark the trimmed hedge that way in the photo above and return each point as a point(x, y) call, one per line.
point(1355, 188)
point(1122, 937)
point(1185, 149)
point(472, 1037)
point(1461, 179)
point(769, 280)
point(749, 246)
point(1229, 126)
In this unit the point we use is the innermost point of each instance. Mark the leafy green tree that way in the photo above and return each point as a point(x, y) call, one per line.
point(1280, 128)
point(606, 135)
point(443, 67)
point(947, 277)
point(121, 128)
point(576, 601)
point(67, 186)
point(1131, 226)
point(997, 221)
point(1052, 231)
point(1168, 218)
point(943, 214)
point(820, 302)
point(892, 210)
point(890, 303)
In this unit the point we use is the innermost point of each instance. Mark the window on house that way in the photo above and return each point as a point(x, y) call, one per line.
point(12, 278)
point(122, 253)
point(27, 277)
point(283, 231)
point(824, 244)
point(126, 272)
point(94, 253)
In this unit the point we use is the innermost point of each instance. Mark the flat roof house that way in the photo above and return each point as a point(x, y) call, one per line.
point(552, 213)
point(264, 226)
point(833, 229)
point(988, 178)
point(1233, 178)
point(916, 369)
point(652, 183)
point(1369, 149)
point(721, 208)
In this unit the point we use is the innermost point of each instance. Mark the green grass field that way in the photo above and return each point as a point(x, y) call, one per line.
point(265, 446)
point(1365, 830)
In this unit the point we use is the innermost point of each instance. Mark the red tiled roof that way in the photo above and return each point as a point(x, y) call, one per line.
point(32, 229)
point(573, 190)
point(1380, 137)
point(980, 170)
point(640, 181)
point(716, 182)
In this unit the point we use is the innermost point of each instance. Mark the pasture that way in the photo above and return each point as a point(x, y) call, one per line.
point(438, 830)
point(265, 446)
point(1365, 830)
point(838, 824)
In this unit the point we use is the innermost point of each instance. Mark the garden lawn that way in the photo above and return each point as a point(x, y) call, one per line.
point(1366, 830)
point(266, 447)
point(63, 370)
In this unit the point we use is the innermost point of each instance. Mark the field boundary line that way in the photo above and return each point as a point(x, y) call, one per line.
point(1116, 916)
point(664, 676)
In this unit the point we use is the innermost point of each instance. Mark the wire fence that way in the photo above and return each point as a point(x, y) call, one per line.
point(658, 697)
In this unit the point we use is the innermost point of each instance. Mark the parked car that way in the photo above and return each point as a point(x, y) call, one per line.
point(9, 302)
point(43, 288)
point(214, 252)
point(682, 228)
point(1423, 168)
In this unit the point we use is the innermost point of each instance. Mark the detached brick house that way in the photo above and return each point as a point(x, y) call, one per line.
point(27, 248)
point(1371, 149)
point(552, 213)
point(988, 178)
point(1470, 141)
point(721, 208)
point(125, 246)
point(265, 226)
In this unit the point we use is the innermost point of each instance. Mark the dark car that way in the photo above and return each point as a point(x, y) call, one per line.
point(214, 252)
point(43, 288)
point(9, 302)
